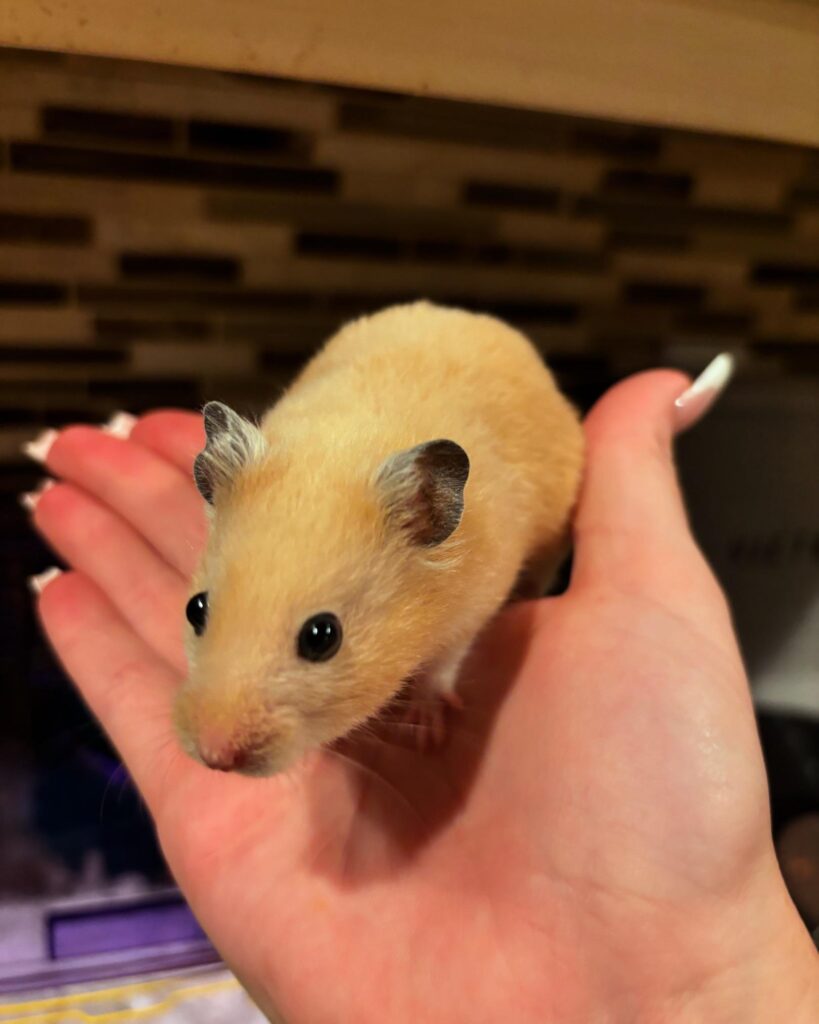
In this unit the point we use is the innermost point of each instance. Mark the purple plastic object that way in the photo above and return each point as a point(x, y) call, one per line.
point(108, 929)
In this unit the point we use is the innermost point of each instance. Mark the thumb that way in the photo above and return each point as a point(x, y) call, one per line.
point(631, 526)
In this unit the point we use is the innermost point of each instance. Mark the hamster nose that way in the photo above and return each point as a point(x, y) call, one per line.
point(221, 751)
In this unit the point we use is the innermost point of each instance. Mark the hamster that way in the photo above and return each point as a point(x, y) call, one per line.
point(363, 534)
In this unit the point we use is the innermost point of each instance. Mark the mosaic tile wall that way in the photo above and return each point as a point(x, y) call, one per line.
point(170, 234)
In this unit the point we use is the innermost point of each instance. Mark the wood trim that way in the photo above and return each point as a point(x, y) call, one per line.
point(747, 67)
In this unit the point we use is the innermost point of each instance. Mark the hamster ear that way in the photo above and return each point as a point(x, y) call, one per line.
point(423, 489)
point(232, 442)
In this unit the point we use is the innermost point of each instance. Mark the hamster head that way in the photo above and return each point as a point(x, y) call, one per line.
point(304, 616)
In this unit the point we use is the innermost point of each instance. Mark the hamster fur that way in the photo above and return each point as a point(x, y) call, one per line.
point(334, 504)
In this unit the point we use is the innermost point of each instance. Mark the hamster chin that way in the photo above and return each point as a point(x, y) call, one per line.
point(252, 738)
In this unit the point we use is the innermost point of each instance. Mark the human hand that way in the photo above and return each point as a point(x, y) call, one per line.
point(593, 842)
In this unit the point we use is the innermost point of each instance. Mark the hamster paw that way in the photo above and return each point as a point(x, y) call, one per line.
point(426, 715)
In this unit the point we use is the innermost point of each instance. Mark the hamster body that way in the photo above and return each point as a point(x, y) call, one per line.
point(391, 498)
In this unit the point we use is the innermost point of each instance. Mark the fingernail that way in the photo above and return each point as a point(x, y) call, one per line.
point(30, 498)
point(695, 401)
point(39, 448)
point(38, 583)
point(120, 425)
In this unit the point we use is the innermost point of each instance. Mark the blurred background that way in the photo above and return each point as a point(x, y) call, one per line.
point(170, 235)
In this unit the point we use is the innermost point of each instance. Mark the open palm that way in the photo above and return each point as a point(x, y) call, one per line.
point(591, 844)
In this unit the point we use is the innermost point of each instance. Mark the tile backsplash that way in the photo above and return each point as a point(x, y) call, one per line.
point(170, 234)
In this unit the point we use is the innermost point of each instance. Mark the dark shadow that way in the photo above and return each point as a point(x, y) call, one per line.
point(403, 797)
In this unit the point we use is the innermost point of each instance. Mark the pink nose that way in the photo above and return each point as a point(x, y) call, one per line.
point(220, 750)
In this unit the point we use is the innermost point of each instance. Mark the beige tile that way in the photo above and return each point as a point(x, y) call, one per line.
point(807, 224)
point(723, 188)
point(761, 298)
point(732, 157)
point(767, 300)
point(196, 359)
point(551, 230)
point(40, 376)
point(679, 268)
point(18, 120)
point(359, 185)
point(58, 262)
point(799, 245)
point(125, 231)
point(20, 323)
point(802, 327)
point(433, 191)
point(447, 160)
point(62, 194)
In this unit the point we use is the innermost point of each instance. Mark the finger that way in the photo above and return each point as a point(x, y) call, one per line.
point(144, 489)
point(148, 594)
point(176, 436)
point(125, 684)
point(631, 525)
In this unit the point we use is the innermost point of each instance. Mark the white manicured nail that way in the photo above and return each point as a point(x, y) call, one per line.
point(30, 498)
point(39, 448)
point(120, 425)
point(38, 583)
point(696, 400)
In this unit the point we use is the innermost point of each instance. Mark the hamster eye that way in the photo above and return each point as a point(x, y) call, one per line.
point(319, 637)
point(196, 612)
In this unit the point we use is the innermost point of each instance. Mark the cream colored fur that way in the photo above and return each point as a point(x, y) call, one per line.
point(302, 529)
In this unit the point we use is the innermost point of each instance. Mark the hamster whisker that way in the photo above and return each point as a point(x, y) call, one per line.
point(172, 761)
point(477, 740)
point(372, 774)
point(365, 728)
